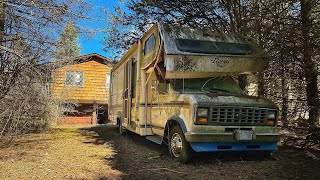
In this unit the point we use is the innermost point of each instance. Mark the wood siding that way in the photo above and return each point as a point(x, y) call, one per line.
point(69, 120)
point(94, 88)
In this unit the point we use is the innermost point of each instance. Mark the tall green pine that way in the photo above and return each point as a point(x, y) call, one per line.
point(67, 46)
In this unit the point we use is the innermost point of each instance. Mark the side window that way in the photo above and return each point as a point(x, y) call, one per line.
point(163, 87)
point(134, 79)
point(107, 80)
point(149, 44)
point(69, 78)
point(78, 80)
point(74, 78)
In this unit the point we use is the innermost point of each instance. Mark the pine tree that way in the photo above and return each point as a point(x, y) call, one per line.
point(67, 46)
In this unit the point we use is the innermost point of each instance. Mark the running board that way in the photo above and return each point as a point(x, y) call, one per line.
point(155, 138)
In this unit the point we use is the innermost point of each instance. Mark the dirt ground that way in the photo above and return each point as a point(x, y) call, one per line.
point(101, 153)
point(57, 154)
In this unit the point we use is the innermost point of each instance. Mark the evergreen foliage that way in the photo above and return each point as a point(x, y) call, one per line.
point(68, 46)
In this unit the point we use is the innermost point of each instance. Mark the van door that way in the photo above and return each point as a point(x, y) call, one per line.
point(127, 92)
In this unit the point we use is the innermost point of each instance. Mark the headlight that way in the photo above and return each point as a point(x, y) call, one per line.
point(272, 115)
point(202, 112)
point(271, 118)
point(202, 116)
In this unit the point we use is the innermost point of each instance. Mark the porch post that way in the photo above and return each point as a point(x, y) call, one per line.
point(94, 113)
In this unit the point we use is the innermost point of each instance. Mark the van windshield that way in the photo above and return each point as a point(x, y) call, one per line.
point(218, 84)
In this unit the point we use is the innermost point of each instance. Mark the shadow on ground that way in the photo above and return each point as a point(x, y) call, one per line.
point(139, 158)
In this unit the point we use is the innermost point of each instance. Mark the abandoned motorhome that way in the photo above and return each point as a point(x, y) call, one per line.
point(81, 84)
point(176, 86)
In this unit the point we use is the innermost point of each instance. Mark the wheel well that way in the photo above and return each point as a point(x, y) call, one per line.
point(170, 124)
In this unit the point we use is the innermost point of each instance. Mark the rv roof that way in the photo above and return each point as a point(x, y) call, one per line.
point(184, 40)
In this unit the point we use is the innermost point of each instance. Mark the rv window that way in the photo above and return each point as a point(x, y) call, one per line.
point(211, 47)
point(107, 80)
point(162, 87)
point(134, 79)
point(149, 44)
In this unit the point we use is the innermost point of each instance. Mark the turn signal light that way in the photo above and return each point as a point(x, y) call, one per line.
point(202, 120)
point(270, 122)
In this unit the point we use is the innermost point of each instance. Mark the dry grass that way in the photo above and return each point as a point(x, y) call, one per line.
point(57, 154)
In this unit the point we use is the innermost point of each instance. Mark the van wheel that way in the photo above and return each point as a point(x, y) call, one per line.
point(178, 146)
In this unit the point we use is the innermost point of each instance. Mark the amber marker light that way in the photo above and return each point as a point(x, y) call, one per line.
point(202, 120)
point(270, 121)
point(185, 107)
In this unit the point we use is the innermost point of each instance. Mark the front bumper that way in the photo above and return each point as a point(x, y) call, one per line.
point(214, 142)
point(233, 146)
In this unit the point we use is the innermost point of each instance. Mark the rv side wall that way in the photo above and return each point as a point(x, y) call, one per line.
point(116, 92)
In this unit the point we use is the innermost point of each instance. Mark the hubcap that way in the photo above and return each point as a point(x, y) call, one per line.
point(176, 145)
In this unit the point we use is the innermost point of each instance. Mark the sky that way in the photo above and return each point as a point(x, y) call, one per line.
point(92, 43)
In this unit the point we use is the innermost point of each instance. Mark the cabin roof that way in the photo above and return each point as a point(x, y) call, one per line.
point(84, 58)
point(80, 59)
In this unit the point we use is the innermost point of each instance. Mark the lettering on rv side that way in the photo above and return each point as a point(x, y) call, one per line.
point(220, 62)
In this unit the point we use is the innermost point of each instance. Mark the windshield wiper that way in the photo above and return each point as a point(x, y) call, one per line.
point(217, 90)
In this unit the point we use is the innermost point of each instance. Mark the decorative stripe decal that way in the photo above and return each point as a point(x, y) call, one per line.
point(177, 104)
point(164, 104)
point(157, 127)
point(143, 126)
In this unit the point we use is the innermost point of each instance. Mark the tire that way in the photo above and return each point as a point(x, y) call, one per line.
point(265, 154)
point(258, 154)
point(179, 148)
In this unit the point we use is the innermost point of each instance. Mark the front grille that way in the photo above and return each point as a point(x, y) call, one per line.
point(239, 115)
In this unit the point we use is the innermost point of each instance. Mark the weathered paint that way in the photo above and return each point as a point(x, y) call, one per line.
point(169, 33)
point(182, 66)
point(195, 65)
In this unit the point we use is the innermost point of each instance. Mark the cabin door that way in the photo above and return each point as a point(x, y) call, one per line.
point(127, 92)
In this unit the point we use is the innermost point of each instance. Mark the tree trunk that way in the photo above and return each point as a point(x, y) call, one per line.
point(2, 13)
point(310, 69)
point(242, 79)
point(261, 85)
point(284, 94)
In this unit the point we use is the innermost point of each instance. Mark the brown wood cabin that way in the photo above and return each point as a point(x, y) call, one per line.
point(82, 85)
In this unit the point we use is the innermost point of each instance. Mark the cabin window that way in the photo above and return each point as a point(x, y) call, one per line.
point(149, 44)
point(107, 80)
point(74, 78)
point(69, 78)
point(78, 78)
